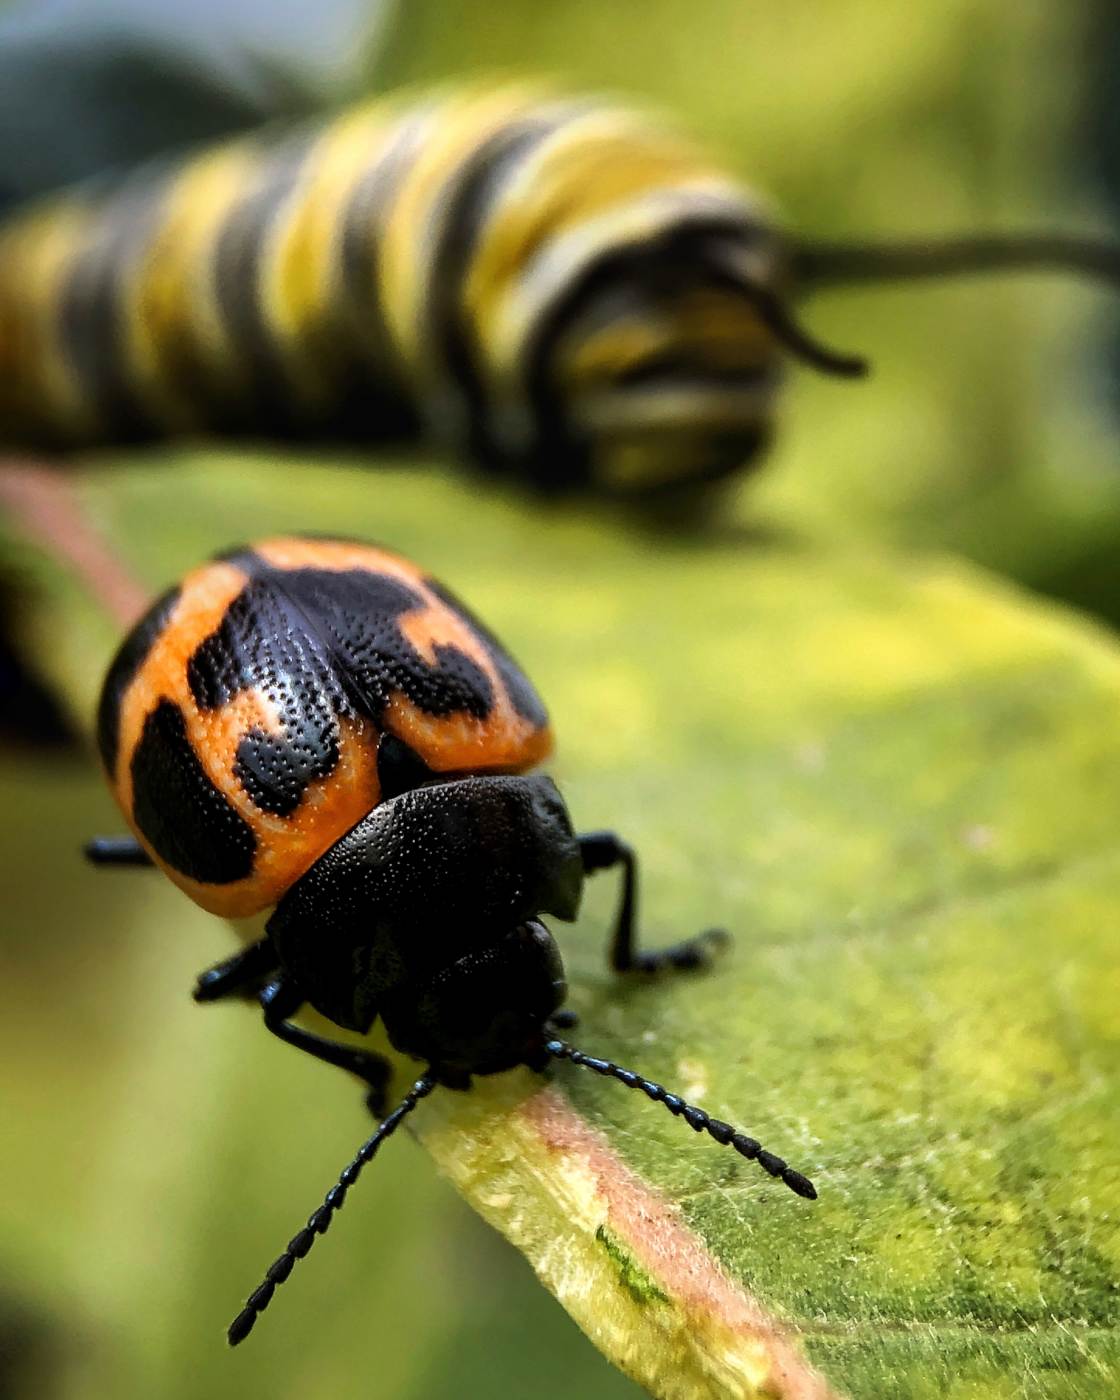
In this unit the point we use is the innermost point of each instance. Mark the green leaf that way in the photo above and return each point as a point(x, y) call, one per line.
point(898, 784)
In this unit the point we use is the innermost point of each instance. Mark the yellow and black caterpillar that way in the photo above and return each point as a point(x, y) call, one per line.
point(562, 289)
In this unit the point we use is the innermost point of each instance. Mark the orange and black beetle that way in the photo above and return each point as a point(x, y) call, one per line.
point(318, 728)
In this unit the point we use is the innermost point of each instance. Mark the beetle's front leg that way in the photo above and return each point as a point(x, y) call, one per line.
point(601, 850)
point(239, 975)
point(280, 999)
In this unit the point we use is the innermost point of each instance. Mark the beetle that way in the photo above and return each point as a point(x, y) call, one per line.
point(317, 730)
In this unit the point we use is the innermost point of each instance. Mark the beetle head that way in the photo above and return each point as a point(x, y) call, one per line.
point(484, 1012)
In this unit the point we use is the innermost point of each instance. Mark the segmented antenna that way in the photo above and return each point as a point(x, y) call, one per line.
point(695, 1117)
point(319, 1222)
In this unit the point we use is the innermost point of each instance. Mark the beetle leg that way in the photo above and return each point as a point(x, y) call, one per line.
point(115, 850)
point(281, 999)
point(240, 975)
point(601, 850)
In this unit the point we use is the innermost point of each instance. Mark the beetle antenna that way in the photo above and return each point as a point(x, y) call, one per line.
point(319, 1222)
point(695, 1117)
point(817, 265)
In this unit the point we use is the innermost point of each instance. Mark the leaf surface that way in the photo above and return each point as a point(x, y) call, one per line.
point(898, 784)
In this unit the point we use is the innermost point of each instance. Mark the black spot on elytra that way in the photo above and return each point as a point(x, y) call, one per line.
point(523, 697)
point(184, 817)
point(275, 769)
point(399, 768)
point(321, 645)
point(133, 653)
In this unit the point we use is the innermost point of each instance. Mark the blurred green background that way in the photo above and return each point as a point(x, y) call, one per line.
point(981, 429)
point(157, 1154)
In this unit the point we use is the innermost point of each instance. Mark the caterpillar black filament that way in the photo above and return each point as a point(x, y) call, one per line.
point(561, 289)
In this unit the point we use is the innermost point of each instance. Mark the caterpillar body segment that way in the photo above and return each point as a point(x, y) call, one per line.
point(560, 289)
point(532, 280)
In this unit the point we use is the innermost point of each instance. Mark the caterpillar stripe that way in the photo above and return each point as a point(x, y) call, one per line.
point(562, 289)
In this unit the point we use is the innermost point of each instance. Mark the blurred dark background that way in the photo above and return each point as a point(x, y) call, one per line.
point(154, 1165)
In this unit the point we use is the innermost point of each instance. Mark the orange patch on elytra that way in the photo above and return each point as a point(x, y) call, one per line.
point(205, 595)
point(460, 742)
point(287, 847)
point(434, 624)
point(503, 739)
point(292, 552)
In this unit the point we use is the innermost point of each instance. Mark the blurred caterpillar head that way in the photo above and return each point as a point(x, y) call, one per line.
point(634, 344)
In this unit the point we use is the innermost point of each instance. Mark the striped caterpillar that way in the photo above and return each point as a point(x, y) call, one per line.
point(560, 289)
